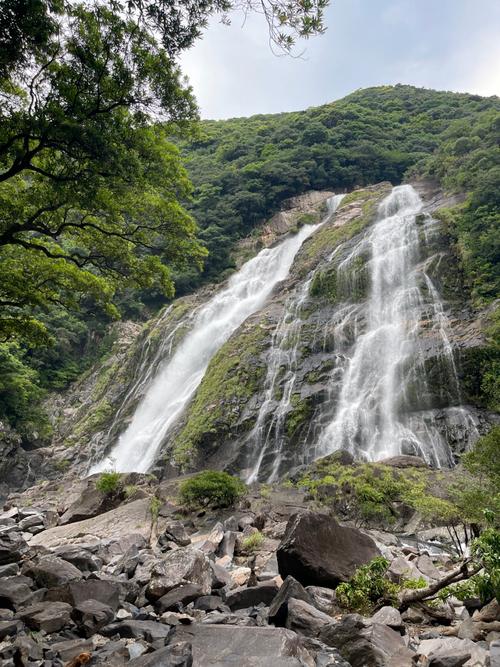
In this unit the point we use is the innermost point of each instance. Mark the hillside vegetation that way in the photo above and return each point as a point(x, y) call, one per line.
point(242, 171)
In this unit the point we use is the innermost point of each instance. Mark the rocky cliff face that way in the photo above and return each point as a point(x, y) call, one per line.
point(264, 404)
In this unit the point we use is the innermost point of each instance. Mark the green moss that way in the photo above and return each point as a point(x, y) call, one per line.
point(232, 377)
point(96, 419)
point(299, 415)
point(369, 492)
point(328, 237)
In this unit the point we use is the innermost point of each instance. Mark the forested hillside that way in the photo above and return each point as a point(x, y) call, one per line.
point(242, 171)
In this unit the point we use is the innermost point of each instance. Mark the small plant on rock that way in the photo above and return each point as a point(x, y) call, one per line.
point(108, 482)
point(211, 488)
point(252, 542)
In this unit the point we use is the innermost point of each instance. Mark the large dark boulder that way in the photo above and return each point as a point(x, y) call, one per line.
point(47, 616)
point(50, 571)
point(15, 591)
point(90, 616)
point(148, 630)
point(243, 597)
point(183, 566)
point(278, 608)
point(75, 592)
point(318, 551)
point(12, 548)
point(175, 655)
point(366, 644)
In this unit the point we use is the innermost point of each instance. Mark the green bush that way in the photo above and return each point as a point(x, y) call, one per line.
point(108, 482)
point(252, 542)
point(367, 586)
point(211, 488)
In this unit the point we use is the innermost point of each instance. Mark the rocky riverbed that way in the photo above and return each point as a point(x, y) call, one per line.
point(88, 578)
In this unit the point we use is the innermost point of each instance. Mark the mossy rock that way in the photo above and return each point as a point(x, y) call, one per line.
point(233, 376)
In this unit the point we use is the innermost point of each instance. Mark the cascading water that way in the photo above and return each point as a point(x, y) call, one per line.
point(175, 384)
point(268, 436)
point(378, 375)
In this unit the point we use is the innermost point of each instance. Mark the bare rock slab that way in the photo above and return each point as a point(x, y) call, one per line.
point(318, 551)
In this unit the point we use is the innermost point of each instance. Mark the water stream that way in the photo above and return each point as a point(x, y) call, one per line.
point(268, 436)
point(383, 378)
point(175, 383)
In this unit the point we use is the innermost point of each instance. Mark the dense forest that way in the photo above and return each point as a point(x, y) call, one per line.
point(242, 170)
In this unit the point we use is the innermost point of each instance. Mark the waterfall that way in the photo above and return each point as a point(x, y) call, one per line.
point(175, 383)
point(381, 367)
point(268, 437)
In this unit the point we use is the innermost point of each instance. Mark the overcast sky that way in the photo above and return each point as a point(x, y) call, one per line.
point(442, 44)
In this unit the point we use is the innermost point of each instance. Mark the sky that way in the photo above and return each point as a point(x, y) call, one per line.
point(442, 44)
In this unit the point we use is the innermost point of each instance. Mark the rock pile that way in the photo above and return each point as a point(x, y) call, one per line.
point(200, 593)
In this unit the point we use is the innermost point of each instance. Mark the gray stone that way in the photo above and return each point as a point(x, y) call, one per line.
point(51, 571)
point(427, 568)
point(323, 599)
point(317, 550)
point(388, 616)
point(12, 548)
point(90, 616)
point(70, 648)
point(75, 592)
point(218, 645)
point(305, 619)
point(227, 544)
point(490, 612)
point(9, 628)
point(175, 532)
point(15, 591)
point(278, 609)
point(438, 650)
point(148, 630)
point(90, 503)
point(243, 597)
point(362, 643)
point(174, 655)
point(220, 576)
point(209, 603)
point(175, 599)
point(184, 566)
point(82, 559)
point(30, 521)
point(47, 616)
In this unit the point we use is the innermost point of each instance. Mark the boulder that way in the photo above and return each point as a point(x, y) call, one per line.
point(9, 628)
point(388, 616)
point(70, 648)
point(15, 591)
point(175, 532)
point(12, 548)
point(241, 645)
point(451, 652)
point(90, 616)
point(149, 630)
point(363, 643)
point(427, 568)
point(76, 592)
point(47, 616)
point(183, 566)
point(178, 597)
point(305, 619)
point(323, 599)
point(174, 655)
point(50, 571)
point(243, 597)
point(278, 608)
point(490, 612)
point(90, 503)
point(317, 550)
point(82, 559)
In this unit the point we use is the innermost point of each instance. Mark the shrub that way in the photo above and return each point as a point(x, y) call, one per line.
point(108, 482)
point(367, 586)
point(252, 542)
point(211, 487)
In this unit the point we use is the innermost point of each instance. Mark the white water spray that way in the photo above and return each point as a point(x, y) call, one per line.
point(268, 433)
point(175, 384)
point(384, 359)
